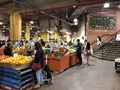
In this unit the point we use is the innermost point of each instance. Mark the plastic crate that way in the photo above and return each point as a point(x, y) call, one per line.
point(17, 78)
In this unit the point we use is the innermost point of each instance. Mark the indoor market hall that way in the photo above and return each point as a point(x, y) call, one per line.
point(59, 44)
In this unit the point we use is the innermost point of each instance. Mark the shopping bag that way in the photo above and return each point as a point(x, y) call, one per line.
point(36, 66)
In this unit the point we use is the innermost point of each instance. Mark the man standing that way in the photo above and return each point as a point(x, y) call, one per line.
point(79, 51)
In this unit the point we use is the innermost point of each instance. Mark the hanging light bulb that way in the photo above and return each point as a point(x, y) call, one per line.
point(75, 23)
point(75, 20)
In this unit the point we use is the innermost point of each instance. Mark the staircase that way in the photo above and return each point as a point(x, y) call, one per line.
point(108, 51)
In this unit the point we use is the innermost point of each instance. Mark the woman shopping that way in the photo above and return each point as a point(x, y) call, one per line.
point(39, 58)
point(87, 51)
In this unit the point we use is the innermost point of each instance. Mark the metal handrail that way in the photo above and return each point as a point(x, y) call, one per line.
point(110, 38)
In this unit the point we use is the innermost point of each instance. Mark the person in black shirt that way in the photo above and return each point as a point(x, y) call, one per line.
point(79, 51)
point(39, 58)
point(8, 50)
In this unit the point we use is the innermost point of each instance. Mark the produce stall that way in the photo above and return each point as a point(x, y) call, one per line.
point(61, 59)
point(16, 73)
point(20, 50)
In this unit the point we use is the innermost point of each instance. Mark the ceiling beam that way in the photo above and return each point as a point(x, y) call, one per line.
point(5, 3)
point(78, 1)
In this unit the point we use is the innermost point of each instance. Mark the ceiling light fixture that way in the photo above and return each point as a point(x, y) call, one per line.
point(75, 23)
point(74, 6)
point(75, 20)
point(31, 22)
point(30, 28)
point(106, 5)
point(118, 6)
point(4, 26)
point(1, 23)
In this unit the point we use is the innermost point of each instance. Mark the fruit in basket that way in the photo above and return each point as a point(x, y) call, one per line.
point(20, 59)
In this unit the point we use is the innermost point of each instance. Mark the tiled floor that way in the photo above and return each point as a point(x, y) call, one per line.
point(100, 75)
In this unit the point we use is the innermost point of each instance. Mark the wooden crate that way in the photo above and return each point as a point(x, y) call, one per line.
point(58, 64)
point(73, 59)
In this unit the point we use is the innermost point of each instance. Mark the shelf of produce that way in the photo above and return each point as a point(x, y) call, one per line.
point(58, 64)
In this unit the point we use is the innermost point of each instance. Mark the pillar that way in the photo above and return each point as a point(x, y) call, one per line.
point(15, 26)
point(56, 35)
point(27, 33)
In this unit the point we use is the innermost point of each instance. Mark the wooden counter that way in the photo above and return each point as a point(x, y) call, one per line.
point(58, 64)
point(73, 59)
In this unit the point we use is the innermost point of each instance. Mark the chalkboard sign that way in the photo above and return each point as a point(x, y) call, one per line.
point(102, 22)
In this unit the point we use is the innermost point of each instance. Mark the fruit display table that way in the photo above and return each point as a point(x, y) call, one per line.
point(16, 73)
point(11, 79)
point(58, 64)
point(73, 59)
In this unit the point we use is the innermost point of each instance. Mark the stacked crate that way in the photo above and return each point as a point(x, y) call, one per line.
point(17, 79)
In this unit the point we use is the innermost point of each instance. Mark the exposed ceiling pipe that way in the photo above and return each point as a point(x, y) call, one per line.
point(56, 17)
point(42, 13)
point(67, 6)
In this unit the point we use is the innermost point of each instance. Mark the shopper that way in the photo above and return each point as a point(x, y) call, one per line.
point(8, 50)
point(31, 47)
point(87, 51)
point(79, 51)
point(39, 58)
point(98, 40)
point(28, 48)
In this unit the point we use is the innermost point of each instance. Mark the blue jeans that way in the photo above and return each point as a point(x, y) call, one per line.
point(39, 76)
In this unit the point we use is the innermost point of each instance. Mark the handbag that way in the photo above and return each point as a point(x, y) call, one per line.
point(36, 66)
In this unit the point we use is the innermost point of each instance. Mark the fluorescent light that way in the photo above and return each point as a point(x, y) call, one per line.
point(106, 5)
